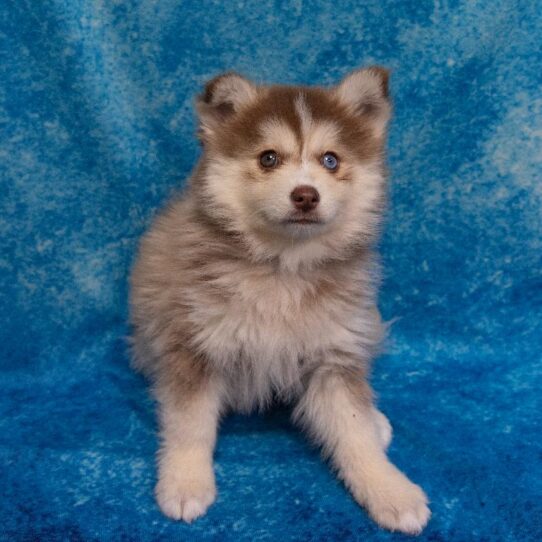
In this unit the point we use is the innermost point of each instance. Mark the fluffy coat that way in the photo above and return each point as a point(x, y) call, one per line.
point(244, 291)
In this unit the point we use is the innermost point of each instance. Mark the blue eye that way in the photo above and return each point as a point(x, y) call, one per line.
point(330, 161)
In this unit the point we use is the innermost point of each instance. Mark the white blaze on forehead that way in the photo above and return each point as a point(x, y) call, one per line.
point(278, 135)
point(318, 136)
point(304, 114)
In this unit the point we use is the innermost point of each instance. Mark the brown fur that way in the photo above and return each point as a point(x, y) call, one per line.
point(236, 133)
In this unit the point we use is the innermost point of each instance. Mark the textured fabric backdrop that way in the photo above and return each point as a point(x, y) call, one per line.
point(97, 129)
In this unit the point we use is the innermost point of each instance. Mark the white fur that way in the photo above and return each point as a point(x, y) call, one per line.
point(350, 435)
point(186, 482)
point(261, 338)
point(383, 426)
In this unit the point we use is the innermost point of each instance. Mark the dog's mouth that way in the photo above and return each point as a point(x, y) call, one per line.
point(303, 220)
point(298, 224)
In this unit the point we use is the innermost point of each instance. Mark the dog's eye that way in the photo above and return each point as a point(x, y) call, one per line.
point(330, 161)
point(269, 159)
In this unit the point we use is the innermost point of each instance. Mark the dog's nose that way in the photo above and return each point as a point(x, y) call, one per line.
point(305, 198)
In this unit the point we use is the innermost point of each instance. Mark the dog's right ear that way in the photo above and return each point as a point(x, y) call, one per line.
point(223, 97)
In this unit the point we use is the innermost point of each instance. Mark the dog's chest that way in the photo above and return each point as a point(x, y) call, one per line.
point(265, 331)
point(267, 317)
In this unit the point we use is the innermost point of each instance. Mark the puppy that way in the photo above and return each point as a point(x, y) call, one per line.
point(259, 282)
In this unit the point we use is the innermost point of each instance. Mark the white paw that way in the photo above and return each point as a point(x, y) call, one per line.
point(383, 427)
point(185, 493)
point(395, 503)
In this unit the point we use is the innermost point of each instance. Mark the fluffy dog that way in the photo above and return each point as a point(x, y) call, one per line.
point(260, 282)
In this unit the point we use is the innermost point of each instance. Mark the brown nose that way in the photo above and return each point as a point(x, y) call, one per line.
point(305, 198)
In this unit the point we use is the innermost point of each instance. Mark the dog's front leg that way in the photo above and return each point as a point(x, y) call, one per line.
point(190, 403)
point(337, 410)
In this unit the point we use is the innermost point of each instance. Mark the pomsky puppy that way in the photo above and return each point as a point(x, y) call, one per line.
point(259, 282)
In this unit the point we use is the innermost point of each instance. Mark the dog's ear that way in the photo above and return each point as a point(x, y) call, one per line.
point(223, 97)
point(365, 93)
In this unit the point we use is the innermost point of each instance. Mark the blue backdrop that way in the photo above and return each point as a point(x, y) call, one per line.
point(97, 129)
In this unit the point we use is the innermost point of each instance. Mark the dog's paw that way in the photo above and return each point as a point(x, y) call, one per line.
point(397, 504)
point(185, 499)
point(185, 493)
point(383, 427)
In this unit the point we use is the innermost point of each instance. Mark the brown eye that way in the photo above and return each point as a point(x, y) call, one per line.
point(269, 159)
point(330, 161)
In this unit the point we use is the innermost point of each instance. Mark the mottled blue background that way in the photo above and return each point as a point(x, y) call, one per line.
point(97, 130)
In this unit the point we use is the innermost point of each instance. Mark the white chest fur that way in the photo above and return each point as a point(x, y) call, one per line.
point(263, 329)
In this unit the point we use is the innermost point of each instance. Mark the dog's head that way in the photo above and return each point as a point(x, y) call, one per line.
point(295, 168)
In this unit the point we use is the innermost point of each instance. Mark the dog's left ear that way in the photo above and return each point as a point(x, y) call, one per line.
point(223, 97)
point(365, 93)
